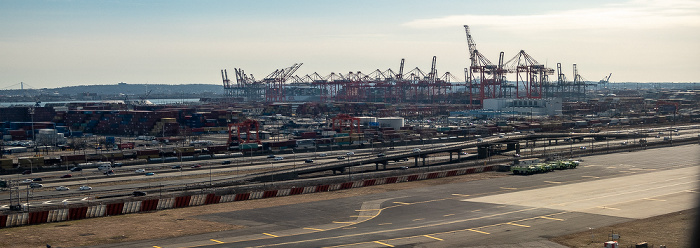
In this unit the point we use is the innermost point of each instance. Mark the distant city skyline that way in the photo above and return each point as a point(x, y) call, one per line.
point(55, 43)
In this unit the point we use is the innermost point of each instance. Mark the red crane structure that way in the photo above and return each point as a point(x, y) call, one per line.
point(530, 76)
point(248, 127)
point(275, 83)
point(483, 79)
point(346, 122)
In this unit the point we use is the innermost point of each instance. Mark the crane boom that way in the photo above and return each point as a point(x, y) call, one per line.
point(472, 46)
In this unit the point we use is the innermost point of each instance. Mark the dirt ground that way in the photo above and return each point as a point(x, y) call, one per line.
point(670, 230)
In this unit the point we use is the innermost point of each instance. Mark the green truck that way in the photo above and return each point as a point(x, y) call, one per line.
point(534, 166)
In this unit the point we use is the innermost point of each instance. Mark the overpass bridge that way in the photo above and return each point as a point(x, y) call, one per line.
point(486, 147)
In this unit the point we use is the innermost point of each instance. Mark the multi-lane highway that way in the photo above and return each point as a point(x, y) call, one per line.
point(128, 181)
point(604, 190)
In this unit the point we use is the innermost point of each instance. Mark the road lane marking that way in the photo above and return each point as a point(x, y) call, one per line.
point(271, 235)
point(402, 203)
point(347, 228)
point(448, 215)
point(460, 195)
point(428, 236)
point(508, 188)
point(315, 229)
point(360, 210)
point(360, 216)
point(550, 218)
point(477, 231)
point(156, 246)
point(604, 207)
point(418, 219)
point(405, 228)
point(476, 210)
point(384, 224)
point(214, 240)
point(385, 244)
point(511, 223)
point(652, 199)
point(342, 222)
point(552, 182)
point(590, 177)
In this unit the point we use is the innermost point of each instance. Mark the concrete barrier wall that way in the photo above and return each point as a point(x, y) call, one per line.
point(118, 208)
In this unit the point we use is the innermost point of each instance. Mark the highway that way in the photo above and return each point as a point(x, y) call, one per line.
point(604, 190)
point(213, 171)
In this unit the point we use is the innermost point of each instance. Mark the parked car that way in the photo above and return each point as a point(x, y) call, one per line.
point(150, 174)
point(74, 169)
point(381, 155)
point(67, 176)
point(176, 167)
point(62, 188)
point(197, 166)
point(139, 193)
point(350, 153)
point(309, 161)
point(26, 172)
point(416, 149)
point(340, 158)
point(226, 162)
point(35, 185)
point(279, 158)
point(322, 155)
point(85, 187)
point(140, 171)
point(271, 156)
point(38, 179)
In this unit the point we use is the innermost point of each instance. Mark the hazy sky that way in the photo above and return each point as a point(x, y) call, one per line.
point(62, 42)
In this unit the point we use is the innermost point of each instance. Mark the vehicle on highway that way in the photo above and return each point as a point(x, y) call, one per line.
point(350, 153)
point(110, 173)
point(197, 166)
point(582, 148)
point(150, 174)
point(62, 188)
point(140, 171)
point(340, 158)
point(74, 169)
point(309, 161)
point(416, 149)
point(67, 176)
point(279, 158)
point(138, 193)
point(479, 140)
point(381, 155)
point(26, 172)
point(516, 155)
point(35, 185)
point(464, 153)
point(271, 156)
point(106, 166)
point(117, 164)
point(38, 179)
point(85, 187)
point(28, 180)
point(322, 155)
point(176, 167)
point(403, 168)
point(226, 162)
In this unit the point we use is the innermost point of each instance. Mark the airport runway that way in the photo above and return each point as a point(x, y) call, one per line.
point(605, 190)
